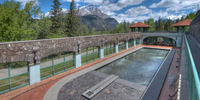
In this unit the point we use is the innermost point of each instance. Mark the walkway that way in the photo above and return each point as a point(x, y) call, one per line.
point(170, 85)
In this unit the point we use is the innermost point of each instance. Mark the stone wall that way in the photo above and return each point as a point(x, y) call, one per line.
point(35, 50)
point(195, 27)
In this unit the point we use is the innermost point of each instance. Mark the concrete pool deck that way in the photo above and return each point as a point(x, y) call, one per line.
point(117, 90)
point(38, 91)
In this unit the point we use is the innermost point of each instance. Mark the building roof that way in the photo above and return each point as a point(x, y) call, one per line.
point(140, 24)
point(185, 22)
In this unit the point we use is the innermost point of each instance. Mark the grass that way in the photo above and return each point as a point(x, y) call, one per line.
point(53, 70)
point(17, 81)
point(91, 57)
point(109, 51)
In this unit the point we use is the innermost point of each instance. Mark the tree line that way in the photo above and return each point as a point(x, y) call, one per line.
point(166, 24)
point(30, 23)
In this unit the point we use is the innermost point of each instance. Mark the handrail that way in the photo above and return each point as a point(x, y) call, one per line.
point(194, 70)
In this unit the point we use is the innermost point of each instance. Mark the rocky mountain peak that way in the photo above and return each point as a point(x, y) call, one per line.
point(92, 10)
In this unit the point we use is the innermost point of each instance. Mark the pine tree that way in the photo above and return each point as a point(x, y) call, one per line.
point(73, 21)
point(125, 26)
point(190, 16)
point(55, 16)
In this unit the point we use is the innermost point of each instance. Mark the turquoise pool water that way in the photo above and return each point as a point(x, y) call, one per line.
point(138, 67)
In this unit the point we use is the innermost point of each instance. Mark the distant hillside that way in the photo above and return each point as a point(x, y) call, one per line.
point(93, 21)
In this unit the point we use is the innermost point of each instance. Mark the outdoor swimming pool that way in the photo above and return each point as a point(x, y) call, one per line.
point(138, 67)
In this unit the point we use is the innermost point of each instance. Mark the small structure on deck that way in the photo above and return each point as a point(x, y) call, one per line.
point(180, 26)
point(138, 26)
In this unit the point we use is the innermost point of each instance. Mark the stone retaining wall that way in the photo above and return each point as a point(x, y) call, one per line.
point(34, 50)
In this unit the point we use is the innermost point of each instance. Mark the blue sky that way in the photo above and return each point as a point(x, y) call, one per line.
point(130, 10)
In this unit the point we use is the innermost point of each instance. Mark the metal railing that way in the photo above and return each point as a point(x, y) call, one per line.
point(109, 49)
point(122, 46)
point(55, 69)
point(13, 82)
point(193, 78)
point(89, 55)
point(130, 43)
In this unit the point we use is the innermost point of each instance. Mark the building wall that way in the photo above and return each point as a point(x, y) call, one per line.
point(195, 26)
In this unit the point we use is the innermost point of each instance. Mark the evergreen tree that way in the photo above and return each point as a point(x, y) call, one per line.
point(150, 21)
point(44, 27)
point(159, 24)
point(191, 16)
point(125, 26)
point(55, 16)
point(73, 21)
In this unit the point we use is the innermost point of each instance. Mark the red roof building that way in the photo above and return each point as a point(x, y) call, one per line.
point(182, 24)
point(138, 26)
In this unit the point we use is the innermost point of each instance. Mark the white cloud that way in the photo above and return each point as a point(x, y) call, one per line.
point(128, 18)
point(47, 14)
point(87, 1)
point(141, 10)
point(125, 3)
point(64, 10)
point(109, 13)
point(165, 3)
point(141, 13)
point(109, 5)
point(173, 17)
point(134, 14)
point(176, 5)
point(25, 1)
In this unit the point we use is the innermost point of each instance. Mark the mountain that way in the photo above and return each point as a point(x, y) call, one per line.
point(92, 10)
point(95, 18)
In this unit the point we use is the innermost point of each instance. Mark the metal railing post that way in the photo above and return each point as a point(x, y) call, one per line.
point(93, 53)
point(87, 55)
point(65, 62)
point(53, 65)
point(9, 77)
